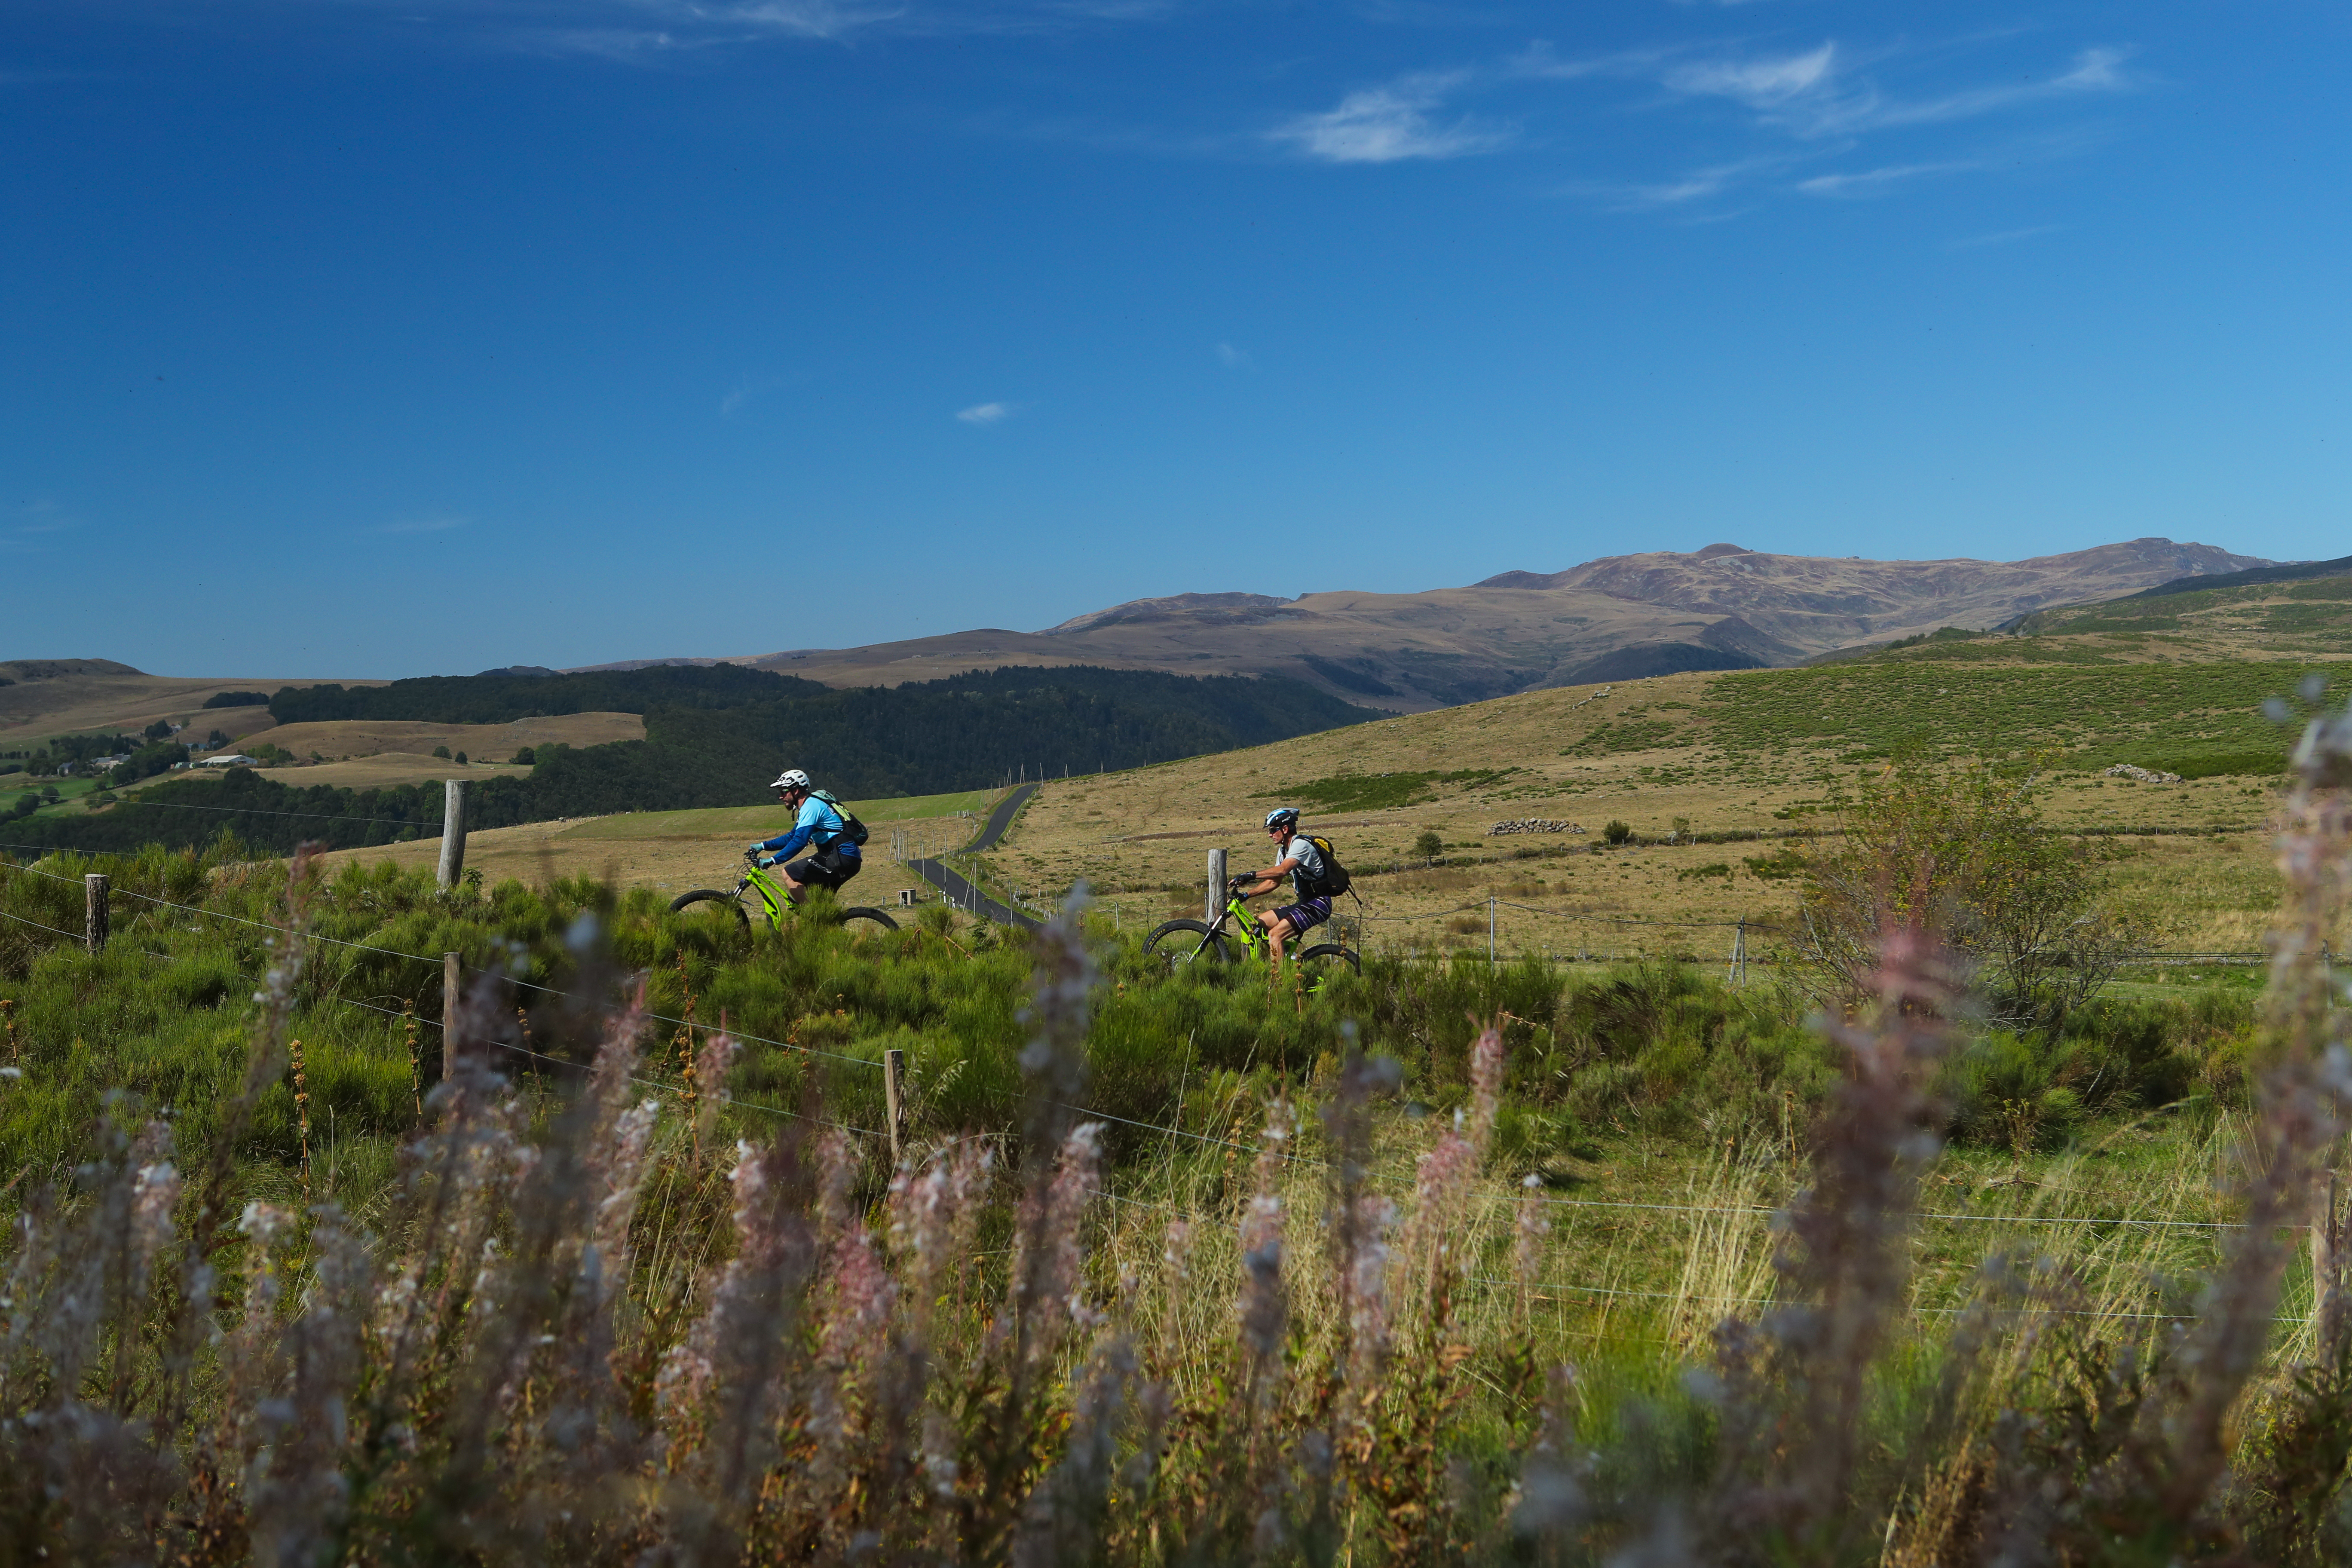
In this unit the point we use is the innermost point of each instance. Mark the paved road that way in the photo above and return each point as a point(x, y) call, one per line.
point(961, 892)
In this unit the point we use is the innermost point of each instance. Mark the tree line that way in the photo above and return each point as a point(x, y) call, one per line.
point(966, 732)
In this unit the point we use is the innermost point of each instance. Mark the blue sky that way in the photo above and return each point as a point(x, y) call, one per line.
point(345, 337)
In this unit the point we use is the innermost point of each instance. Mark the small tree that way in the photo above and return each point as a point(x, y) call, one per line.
point(524, 757)
point(1429, 846)
point(1963, 850)
point(461, 759)
point(442, 752)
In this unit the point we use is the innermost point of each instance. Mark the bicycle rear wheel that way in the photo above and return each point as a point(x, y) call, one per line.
point(862, 919)
point(1327, 958)
point(709, 903)
point(1182, 942)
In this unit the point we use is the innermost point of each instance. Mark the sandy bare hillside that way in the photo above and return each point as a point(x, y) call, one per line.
point(68, 696)
point(1618, 618)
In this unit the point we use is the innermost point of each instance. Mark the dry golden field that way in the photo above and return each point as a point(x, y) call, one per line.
point(1666, 756)
point(94, 696)
point(342, 740)
point(673, 851)
point(1146, 832)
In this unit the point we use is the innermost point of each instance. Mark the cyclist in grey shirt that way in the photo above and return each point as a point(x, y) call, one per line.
point(1304, 865)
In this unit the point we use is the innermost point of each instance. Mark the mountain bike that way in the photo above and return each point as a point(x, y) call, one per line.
point(1185, 942)
point(761, 890)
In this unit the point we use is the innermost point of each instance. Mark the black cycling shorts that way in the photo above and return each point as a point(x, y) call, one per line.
point(825, 868)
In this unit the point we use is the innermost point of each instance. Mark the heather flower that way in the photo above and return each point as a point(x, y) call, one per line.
point(933, 1215)
point(1050, 1247)
point(1265, 1313)
point(1527, 1249)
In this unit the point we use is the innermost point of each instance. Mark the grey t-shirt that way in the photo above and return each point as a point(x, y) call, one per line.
point(1308, 873)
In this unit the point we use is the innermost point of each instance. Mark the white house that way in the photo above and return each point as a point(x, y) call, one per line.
point(232, 760)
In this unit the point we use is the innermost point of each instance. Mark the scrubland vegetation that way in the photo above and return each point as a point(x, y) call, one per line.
point(1922, 1253)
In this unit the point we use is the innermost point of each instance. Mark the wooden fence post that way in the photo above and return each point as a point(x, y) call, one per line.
point(93, 929)
point(453, 832)
point(894, 1066)
point(452, 984)
point(1215, 905)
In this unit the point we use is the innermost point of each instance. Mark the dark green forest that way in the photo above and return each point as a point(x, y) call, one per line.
point(716, 736)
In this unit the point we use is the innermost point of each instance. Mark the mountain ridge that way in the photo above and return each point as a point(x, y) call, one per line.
point(1724, 607)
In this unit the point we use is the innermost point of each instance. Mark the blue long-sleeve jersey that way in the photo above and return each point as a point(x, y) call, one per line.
point(817, 823)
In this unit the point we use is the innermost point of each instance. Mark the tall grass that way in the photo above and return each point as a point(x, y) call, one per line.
point(594, 1308)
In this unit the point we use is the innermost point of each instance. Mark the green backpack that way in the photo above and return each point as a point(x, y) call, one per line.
point(851, 828)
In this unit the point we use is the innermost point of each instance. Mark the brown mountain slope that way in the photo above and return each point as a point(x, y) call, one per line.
point(1612, 619)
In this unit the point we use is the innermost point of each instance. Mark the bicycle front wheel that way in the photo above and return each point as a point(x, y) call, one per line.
point(1182, 942)
point(709, 903)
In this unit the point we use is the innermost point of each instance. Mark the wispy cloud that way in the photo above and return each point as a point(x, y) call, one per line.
point(1763, 83)
point(440, 522)
point(1815, 104)
point(1695, 188)
point(985, 413)
point(1232, 358)
point(1389, 124)
point(1878, 181)
point(646, 32)
point(28, 525)
point(1818, 93)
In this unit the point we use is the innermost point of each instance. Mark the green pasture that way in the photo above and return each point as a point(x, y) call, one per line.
point(2172, 717)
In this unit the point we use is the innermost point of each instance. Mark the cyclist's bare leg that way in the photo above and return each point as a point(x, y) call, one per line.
point(1278, 931)
point(791, 888)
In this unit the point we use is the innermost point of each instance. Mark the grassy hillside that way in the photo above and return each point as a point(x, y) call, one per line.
point(1718, 777)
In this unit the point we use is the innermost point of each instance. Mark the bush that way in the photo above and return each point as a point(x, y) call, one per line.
point(1962, 849)
point(461, 759)
point(1429, 846)
point(1616, 832)
point(524, 756)
point(441, 751)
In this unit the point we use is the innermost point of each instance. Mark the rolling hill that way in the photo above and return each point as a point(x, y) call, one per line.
point(1620, 617)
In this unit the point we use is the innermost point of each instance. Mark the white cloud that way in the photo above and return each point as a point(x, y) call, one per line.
point(985, 413)
point(1878, 181)
point(1232, 358)
point(1758, 83)
point(1388, 124)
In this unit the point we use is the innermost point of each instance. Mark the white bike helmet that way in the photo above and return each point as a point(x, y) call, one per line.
point(1281, 816)
point(791, 778)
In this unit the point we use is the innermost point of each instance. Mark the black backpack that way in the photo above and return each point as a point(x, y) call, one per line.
point(851, 828)
point(1336, 879)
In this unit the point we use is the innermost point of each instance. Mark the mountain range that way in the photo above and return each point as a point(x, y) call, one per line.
point(1616, 618)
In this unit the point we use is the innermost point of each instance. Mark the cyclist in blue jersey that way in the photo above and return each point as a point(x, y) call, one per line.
point(817, 825)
